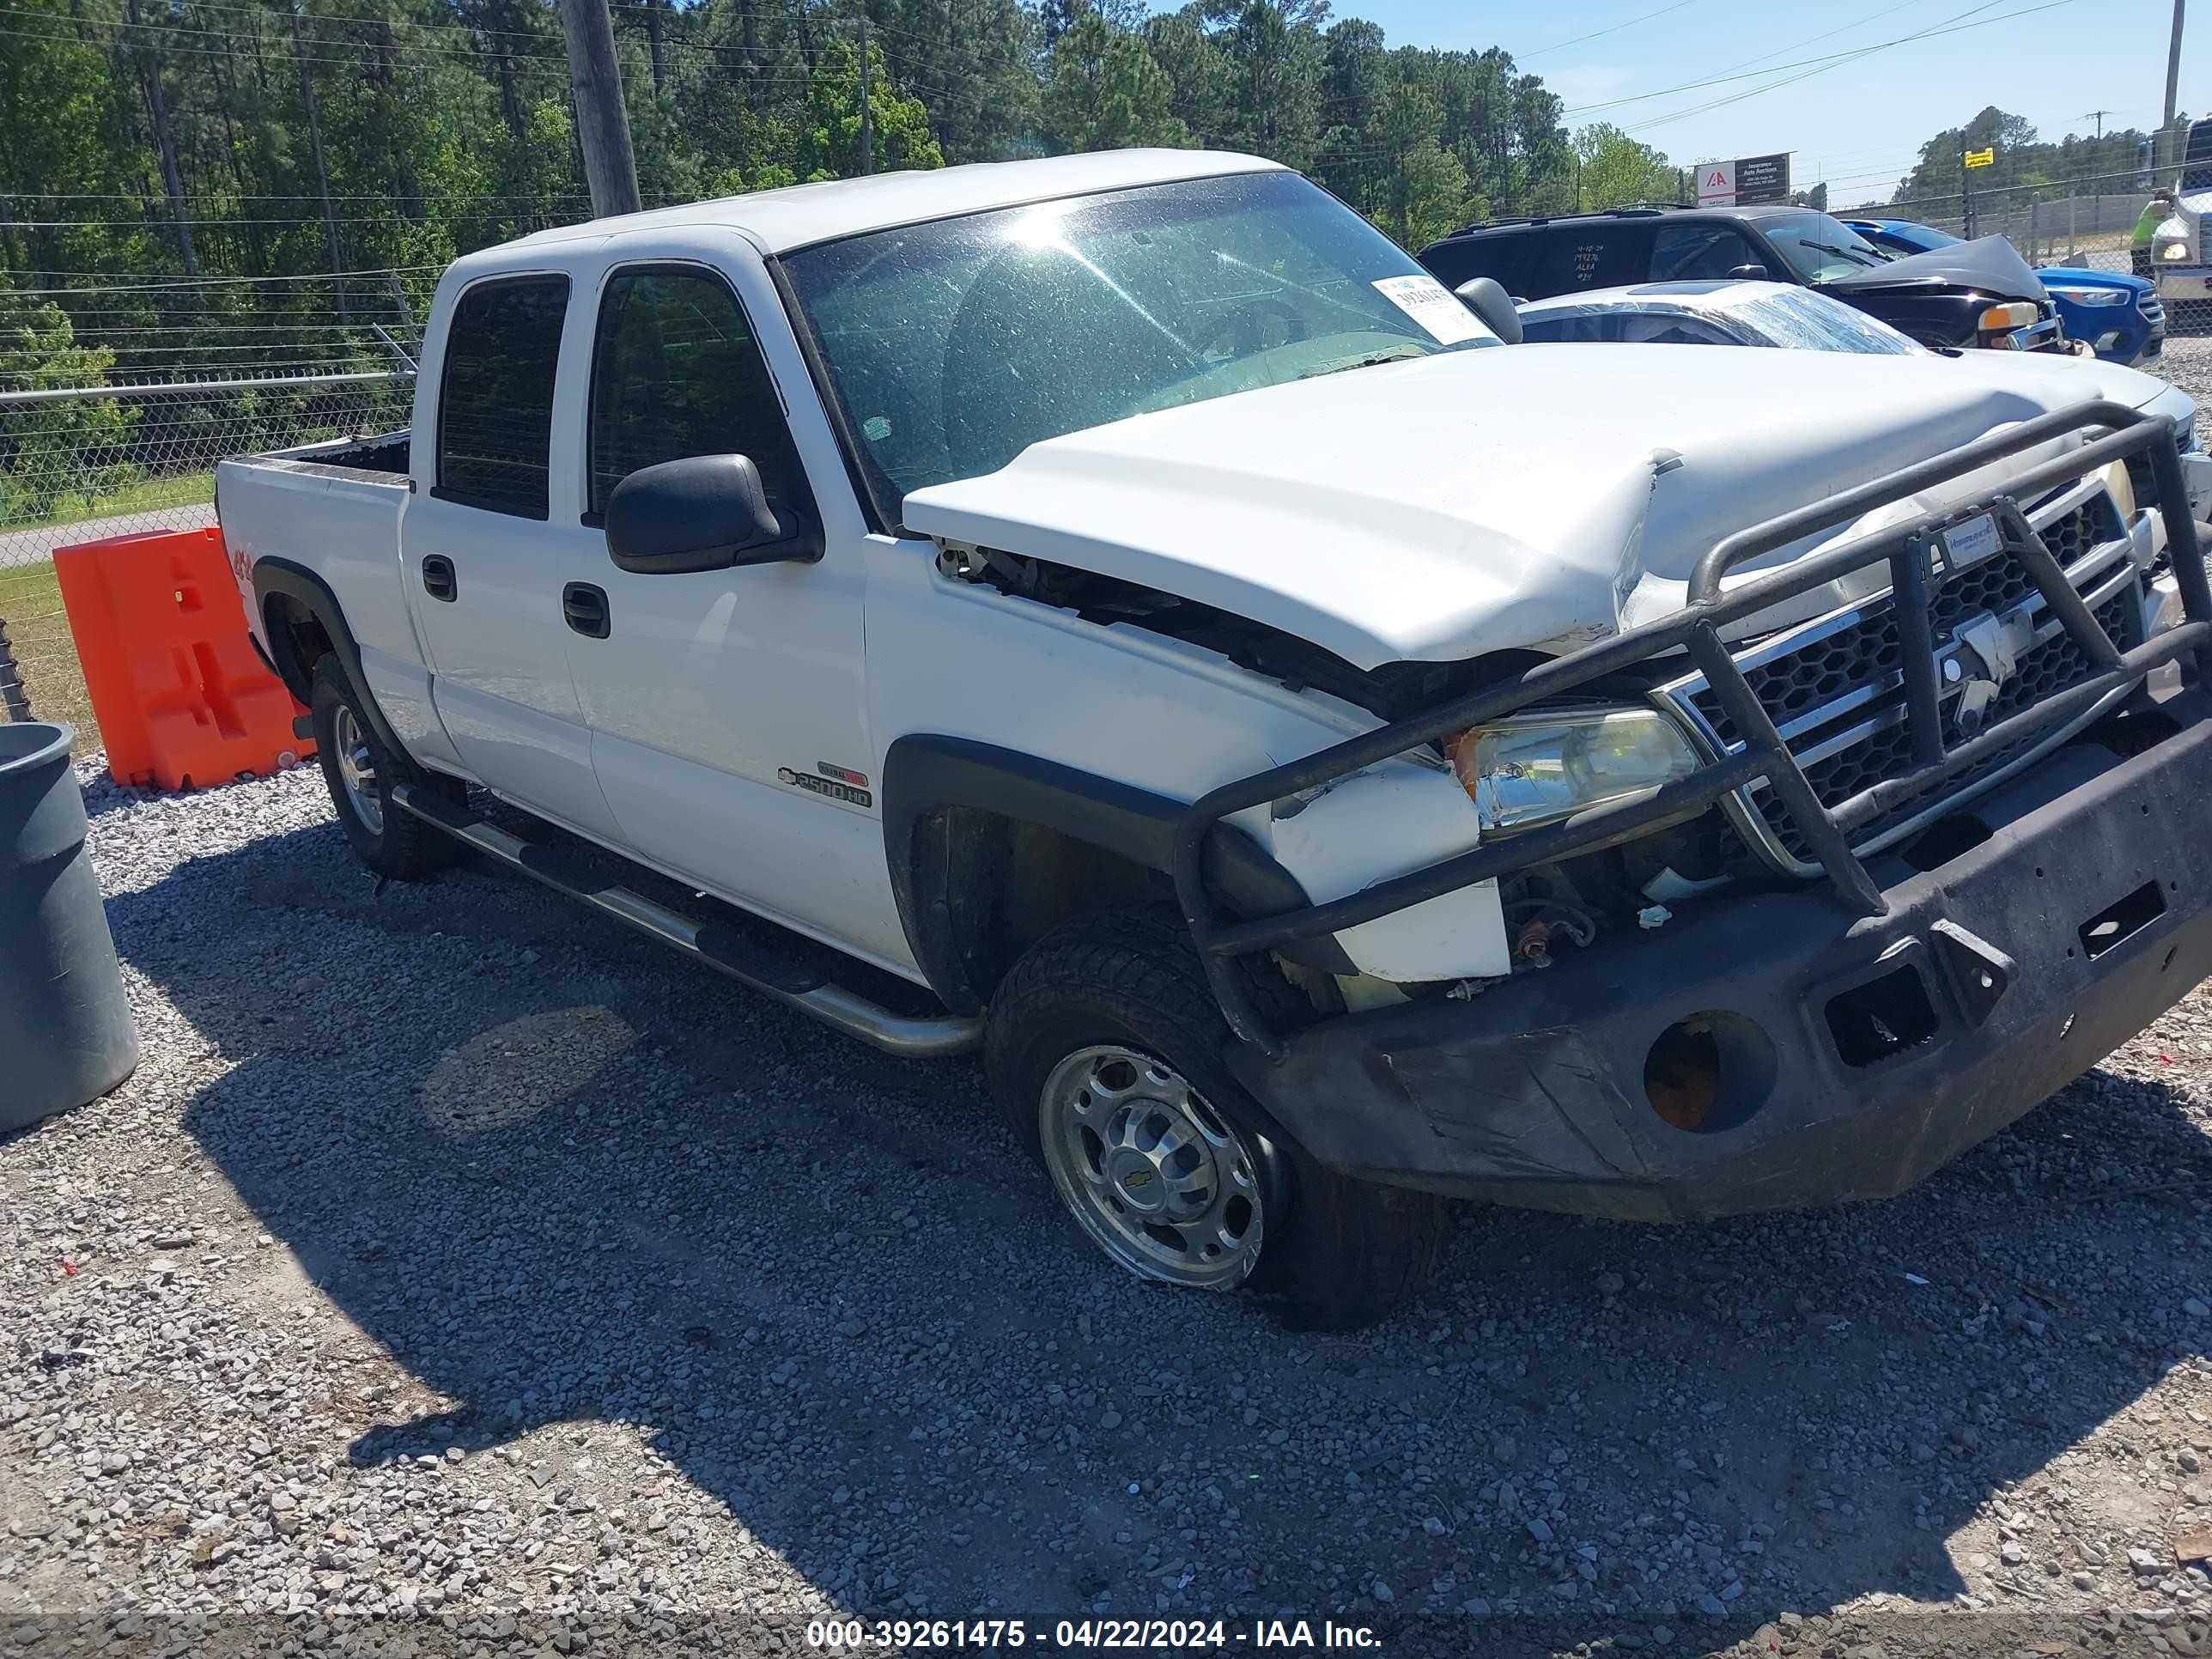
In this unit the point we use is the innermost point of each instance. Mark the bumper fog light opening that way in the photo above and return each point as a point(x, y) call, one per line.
point(1709, 1071)
point(1882, 1018)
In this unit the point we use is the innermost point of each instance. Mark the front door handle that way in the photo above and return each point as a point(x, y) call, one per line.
point(585, 608)
point(438, 579)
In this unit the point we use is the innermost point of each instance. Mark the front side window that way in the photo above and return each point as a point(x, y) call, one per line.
point(952, 346)
point(496, 395)
point(676, 373)
point(1820, 249)
point(1698, 252)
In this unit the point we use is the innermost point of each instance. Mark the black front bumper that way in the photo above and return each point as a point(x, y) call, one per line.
point(1533, 1094)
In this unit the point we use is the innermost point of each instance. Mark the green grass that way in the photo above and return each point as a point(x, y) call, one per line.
point(39, 633)
point(149, 496)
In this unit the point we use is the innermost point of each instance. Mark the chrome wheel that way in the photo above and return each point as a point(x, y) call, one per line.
point(356, 769)
point(1153, 1173)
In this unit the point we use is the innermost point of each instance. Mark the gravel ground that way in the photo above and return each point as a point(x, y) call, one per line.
point(453, 1258)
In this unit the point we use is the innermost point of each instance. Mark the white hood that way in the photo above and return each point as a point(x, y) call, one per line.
point(1506, 497)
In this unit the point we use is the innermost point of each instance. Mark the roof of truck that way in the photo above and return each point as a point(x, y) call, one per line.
point(801, 215)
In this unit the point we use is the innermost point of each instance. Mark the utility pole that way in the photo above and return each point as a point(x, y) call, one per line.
point(602, 122)
point(315, 141)
point(2098, 115)
point(867, 102)
point(2172, 85)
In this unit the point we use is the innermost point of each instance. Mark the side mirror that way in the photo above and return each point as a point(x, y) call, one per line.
point(1747, 274)
point(1492, 305)
point(702, 513)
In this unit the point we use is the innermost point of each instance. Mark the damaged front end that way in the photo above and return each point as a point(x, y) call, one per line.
point(1768, 1041)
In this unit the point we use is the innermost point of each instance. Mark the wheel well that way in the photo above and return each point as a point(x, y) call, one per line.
point(995, 884)
point(297, 641)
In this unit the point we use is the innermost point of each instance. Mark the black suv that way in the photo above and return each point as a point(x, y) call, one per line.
point(1973, 293)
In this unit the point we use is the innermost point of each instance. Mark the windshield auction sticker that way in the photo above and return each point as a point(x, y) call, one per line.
point(1433, 306)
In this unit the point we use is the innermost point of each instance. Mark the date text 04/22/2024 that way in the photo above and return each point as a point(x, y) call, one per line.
point(1183, 1635)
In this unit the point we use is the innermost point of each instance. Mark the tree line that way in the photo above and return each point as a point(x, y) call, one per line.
point(201, 140)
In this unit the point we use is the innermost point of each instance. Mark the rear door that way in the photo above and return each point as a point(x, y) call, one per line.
point(480, 569)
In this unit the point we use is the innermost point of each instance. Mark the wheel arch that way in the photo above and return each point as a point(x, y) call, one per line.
point(989, 847)
point(298, 612)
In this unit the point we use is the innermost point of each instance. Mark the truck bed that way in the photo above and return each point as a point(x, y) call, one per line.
point(334, 509)
point(384, 454)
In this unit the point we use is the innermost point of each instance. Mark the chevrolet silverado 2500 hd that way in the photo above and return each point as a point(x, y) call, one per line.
point(1325, 759)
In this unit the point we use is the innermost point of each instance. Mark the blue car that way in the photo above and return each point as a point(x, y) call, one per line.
point(2119, 315)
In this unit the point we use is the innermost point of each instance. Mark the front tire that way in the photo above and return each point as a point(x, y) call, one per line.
point(360, 772)
point(1103, 1047)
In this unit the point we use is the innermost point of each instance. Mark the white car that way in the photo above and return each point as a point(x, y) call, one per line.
point(1782, 314)
point(1323, 758)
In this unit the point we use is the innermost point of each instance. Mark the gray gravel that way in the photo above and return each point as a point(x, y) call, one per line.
point(452, 1257)
point(2187, 360)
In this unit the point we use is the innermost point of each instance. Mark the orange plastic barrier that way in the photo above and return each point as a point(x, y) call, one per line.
point(181, 696)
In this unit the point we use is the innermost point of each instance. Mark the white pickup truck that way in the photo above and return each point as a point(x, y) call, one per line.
point(1324, 758)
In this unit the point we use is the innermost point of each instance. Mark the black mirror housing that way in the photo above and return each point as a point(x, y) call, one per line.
point(1492, 305)
point(1747, 273)
point(702, 513)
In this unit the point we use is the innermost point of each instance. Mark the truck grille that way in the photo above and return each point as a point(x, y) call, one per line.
point(1835, 687)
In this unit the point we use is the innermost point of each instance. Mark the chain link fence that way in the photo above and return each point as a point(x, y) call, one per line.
point(80, 463)
point(2079, 221)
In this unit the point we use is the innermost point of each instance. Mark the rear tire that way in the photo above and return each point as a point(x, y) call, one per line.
point(1104, 1048)
point(361, 772)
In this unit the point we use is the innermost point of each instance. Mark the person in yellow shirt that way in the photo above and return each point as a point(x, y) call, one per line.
point(2156, 212)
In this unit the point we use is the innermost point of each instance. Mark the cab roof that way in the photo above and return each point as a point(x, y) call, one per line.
point(798, 216)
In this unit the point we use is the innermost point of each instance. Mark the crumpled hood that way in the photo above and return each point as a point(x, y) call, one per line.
point(1502, 497)
point(1989, 263)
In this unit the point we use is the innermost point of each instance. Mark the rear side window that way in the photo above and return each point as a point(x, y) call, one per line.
point(495, 398)
point(676, 373)
point(1570, 258)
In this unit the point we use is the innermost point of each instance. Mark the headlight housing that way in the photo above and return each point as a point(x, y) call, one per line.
point(2177, 250)
point(2091, 296)
point(1539, 767)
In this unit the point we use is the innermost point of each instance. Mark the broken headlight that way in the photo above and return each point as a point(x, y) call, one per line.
point(1540, 768)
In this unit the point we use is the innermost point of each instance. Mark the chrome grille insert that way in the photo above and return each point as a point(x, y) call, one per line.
point(1835, 687)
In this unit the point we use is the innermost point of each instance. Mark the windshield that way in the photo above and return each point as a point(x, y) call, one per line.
point(954, 345)
point(1814, 322)
point(1820, 249)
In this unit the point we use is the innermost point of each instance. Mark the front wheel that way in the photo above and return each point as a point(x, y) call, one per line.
point(1104, 1050)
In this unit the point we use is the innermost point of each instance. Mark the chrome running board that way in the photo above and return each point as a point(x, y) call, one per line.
point(718, 946)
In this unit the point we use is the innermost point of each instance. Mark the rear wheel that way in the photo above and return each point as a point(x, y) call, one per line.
point(1104, 1048)
point(360, 773)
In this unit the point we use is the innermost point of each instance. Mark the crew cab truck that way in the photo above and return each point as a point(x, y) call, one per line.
point(1324, 759)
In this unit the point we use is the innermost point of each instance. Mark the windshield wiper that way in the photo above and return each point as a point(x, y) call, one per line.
point(1396, 354)
point(1851, 253)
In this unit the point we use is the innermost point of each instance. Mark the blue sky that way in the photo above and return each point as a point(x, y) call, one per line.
point(1858, 125)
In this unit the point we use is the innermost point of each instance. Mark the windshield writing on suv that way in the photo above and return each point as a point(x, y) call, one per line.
point(1820, 249)
point(954, 346)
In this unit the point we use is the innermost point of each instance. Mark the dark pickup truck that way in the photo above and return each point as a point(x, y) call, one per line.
point(1973, 293)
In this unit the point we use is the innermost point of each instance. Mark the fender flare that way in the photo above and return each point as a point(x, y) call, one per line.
point(275, 578)
point(923, 774)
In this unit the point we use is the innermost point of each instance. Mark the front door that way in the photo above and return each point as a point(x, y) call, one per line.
point(728, 707)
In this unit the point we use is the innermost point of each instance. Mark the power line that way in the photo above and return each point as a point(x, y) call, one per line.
point(1826, 60)
point(1523, 58)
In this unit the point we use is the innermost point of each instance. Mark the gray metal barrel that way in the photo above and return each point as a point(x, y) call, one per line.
point(65, 1030)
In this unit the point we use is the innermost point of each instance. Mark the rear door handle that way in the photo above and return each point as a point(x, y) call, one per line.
point(585, 608)
point(438, 579)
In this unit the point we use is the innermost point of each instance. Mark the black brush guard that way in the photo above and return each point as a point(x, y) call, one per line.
point(1697, 628)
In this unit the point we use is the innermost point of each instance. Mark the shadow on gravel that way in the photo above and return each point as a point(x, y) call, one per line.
point(562, 1177)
